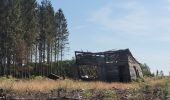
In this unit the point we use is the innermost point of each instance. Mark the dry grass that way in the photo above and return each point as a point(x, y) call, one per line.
point(45, 85)
point(157, 81)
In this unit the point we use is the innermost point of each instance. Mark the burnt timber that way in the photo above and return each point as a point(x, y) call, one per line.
point(113, 65)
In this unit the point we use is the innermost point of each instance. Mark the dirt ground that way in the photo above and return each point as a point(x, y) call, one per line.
point(92, 94)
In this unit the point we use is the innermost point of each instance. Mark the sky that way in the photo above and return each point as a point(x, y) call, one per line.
point(143, 26)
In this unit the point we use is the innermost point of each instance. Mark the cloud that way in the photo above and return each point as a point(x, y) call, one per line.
point(129, 23)
point(133, 19)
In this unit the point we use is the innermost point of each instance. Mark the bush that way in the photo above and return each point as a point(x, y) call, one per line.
point(146, 70)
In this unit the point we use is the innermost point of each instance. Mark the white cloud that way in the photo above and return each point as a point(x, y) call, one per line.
point(129, 23)
point(137, 20)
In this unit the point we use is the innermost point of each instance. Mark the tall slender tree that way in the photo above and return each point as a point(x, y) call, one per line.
point(30, 20)
point(47, 28)
point(4, 9)
point(61, 35)
point(29, 31)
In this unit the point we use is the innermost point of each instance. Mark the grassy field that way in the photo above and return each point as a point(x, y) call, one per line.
point(44, 84)
point(151, 88)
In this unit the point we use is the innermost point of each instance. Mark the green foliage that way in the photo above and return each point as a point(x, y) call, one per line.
point(37, 77)
point(30, 34)
point(167, 89)
point(87, 94)
point(109, 94)
point(146, 70)
point(139, 80)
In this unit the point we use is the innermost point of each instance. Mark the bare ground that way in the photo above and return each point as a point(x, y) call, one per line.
point(91, 94)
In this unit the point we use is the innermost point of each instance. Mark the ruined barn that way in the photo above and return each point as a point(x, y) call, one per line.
point(113, 65)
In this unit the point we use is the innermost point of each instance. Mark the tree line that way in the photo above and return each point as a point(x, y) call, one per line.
point(33, 37)
point(146, 70)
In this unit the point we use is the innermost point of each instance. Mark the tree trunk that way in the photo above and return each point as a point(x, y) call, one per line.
point(35, 71)
point(51, 61)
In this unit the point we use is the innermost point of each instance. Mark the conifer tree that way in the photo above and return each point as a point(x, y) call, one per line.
point(30, 20)
point(29, 31)
point(4, 8)
point(61, 36)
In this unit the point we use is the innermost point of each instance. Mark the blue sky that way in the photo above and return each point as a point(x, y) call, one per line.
point(143, 26)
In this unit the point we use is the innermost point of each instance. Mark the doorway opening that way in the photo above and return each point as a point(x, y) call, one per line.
point(136, 72)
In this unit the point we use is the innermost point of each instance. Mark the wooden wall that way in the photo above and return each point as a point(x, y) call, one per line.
point(116, 66)
point(132, 66)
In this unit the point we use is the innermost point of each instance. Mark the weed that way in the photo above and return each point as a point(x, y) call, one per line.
point(109, 95)
point(87, 94)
